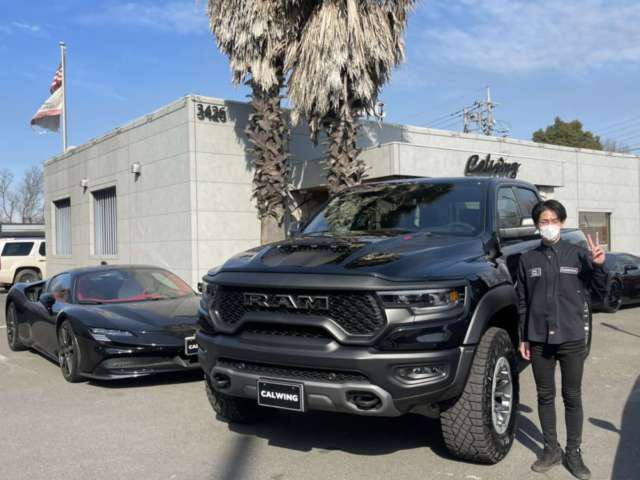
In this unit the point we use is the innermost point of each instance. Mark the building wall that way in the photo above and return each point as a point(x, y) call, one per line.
point(224, 217)
point(153, 210)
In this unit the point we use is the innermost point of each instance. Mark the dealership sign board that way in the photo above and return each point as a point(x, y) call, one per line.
point(486, 167)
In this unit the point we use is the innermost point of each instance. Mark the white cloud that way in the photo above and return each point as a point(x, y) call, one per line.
point(520, 36)
point(14, 27)
point(179, 16)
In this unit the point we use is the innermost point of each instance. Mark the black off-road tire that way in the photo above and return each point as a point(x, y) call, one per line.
point(235, 409)
point(27, 276)
point(12, 329)
point(467, 425)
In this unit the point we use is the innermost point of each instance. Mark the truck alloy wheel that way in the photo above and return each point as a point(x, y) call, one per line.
point(480, 425)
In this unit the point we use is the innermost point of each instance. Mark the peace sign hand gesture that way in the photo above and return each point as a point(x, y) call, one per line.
point(597, 253)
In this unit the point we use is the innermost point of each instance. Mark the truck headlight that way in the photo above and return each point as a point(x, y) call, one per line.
point(425, 301)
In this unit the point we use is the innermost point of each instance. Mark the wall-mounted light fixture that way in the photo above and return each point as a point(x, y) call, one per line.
point(136, 168)
point(84, 183)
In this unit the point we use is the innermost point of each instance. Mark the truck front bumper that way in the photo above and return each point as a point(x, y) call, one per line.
point(335, 376)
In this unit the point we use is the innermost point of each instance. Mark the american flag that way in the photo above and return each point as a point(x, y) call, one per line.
point(56, 83)
point(48, 115)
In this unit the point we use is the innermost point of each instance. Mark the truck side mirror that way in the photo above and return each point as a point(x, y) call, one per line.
point(522, 233)
point(629, 267)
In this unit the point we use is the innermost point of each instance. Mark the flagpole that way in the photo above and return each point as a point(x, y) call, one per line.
point(63, 56)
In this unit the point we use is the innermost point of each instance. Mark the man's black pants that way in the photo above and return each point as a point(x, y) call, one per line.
point(571, 356)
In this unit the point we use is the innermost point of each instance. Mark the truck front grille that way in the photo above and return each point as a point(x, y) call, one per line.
point(297, 373)
point(358, 313)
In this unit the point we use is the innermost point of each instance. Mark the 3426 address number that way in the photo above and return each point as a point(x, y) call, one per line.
point(212, 113)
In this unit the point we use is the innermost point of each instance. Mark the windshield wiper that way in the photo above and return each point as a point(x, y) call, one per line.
point(90, 302)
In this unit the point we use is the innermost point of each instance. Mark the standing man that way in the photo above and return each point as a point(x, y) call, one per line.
point(553, 283)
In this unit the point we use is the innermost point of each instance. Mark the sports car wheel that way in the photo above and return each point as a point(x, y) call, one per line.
point(12, 329)
point(68, 352)
point(613, 300)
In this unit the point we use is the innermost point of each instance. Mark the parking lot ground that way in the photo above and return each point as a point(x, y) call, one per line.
point(164, 428)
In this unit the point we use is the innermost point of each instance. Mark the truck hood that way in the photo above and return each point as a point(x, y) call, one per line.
point(406, 256)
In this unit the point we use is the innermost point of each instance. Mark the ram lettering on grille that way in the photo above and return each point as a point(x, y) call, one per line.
point(294, 302)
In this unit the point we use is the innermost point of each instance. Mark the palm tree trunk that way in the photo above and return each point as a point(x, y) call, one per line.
point(268, 133)
point(344, 168)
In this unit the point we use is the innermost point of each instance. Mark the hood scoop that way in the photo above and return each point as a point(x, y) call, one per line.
point(309, 253)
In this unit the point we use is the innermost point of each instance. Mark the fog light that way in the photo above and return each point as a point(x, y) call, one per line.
point(422, 372)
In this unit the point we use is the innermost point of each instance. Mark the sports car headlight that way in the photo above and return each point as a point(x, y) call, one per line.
point(425, 301)
point(106, 334)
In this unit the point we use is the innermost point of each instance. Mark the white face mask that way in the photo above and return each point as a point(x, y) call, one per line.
point(550, 232)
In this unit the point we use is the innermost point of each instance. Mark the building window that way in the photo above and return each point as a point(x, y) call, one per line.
point(105, 222)
point(62, 213)
point(508, 211)
point(598, 225)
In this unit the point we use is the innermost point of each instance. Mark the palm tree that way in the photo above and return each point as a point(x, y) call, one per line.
point(345, 52)
point(255, 34)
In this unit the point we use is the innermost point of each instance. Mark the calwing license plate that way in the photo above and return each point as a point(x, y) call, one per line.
point(191, 346)
point(277, 394)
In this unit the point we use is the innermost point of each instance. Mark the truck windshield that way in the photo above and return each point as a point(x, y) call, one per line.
point(439, 208)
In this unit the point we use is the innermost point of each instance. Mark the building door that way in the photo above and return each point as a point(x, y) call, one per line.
point(598, 225)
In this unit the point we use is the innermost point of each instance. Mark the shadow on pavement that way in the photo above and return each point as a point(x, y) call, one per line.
point(627, 461)
point(528, 433)
point(150, 380)
point(618, 329)
point(348, 433)
point(237, 459)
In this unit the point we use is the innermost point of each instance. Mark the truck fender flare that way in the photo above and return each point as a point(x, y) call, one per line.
point(493, 301)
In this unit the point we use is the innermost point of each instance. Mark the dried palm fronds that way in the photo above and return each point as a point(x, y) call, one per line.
point(346, 51)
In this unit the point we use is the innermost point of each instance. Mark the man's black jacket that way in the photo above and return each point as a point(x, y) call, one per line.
point(553, 283)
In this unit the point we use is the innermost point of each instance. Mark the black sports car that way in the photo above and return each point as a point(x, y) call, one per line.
point(107, 322)
point(624, 282)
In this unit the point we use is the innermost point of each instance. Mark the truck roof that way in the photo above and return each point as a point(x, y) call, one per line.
point(469, 179)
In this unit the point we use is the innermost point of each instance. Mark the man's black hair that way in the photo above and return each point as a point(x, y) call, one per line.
point(553, 205)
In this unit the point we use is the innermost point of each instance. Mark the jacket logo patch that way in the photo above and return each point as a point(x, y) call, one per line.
point(535, 272)
point(569, 270)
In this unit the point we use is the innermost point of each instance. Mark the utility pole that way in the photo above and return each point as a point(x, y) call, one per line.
point(479, 117)
point(488, 106)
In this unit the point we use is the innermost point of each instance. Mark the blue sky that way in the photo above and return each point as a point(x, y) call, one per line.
point(575, 59)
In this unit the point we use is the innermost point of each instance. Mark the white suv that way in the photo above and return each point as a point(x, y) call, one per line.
point(22, 260)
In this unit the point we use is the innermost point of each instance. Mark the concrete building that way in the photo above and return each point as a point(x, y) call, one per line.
point(173, 188)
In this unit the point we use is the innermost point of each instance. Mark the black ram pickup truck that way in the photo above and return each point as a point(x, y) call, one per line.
point(396, 297)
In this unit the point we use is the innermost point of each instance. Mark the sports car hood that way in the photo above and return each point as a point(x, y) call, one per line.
point(405, 256)
point(173, 316)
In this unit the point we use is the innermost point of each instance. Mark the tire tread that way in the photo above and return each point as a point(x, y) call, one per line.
point(465, 427)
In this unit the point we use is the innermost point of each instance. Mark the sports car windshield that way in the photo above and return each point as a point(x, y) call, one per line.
point(129, 285)
point(439, 208)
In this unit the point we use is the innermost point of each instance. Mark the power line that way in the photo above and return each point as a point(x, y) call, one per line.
point(614, 125)
point(456, 99)
point(443, 118)
point(612, 133)
point(628, 136)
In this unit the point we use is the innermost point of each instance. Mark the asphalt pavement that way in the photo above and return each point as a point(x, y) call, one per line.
point(164, 428)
